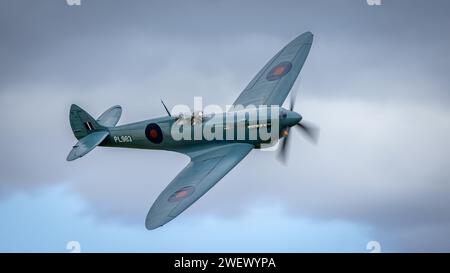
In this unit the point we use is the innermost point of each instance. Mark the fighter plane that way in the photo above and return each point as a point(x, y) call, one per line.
point(210, 159)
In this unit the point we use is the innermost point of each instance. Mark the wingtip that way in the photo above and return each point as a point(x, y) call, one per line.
point(153, 222)
point(151, 227)
point(304, 38)
point(308, 35)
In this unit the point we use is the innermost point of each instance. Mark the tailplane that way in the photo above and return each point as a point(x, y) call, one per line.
point(88, 131)
point(110, 117)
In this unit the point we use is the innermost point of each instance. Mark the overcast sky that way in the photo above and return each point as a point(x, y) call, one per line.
point(376, 82)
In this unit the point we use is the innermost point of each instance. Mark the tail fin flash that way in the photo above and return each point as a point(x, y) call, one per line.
point(88, 131)
point(82, 123)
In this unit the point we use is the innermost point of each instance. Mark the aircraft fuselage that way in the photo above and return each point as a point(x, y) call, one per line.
point(257, 126)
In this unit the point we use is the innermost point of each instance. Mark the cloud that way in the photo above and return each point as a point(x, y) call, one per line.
point(59, 215)
point(375, 82)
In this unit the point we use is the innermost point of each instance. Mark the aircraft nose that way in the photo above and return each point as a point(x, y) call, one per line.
point(293, 118)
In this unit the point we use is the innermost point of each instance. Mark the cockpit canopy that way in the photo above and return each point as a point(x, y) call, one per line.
point(192, 118)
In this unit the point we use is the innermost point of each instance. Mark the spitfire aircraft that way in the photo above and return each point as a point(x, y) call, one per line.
point(210, 159)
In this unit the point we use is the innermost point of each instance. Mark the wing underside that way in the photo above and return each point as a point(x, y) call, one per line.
point(208, 165)
point(274, 81)
point(206, 168)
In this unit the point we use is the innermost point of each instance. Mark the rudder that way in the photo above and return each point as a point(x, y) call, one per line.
point(82, 123)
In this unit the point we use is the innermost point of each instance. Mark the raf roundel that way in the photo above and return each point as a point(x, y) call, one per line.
point(279, 71)
point(153, 133)
point(181, 194)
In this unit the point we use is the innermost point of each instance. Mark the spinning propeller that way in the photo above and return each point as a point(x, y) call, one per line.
point(309, 130)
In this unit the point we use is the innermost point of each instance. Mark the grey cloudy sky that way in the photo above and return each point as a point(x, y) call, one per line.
point(376, 81)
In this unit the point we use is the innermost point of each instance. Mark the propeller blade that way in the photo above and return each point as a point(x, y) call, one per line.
point(311, 131)
point(292, 101)
point(282, 154)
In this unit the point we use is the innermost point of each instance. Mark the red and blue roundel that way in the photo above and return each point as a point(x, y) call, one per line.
point(153, 133)
point(181, 194)
point(279, 71)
